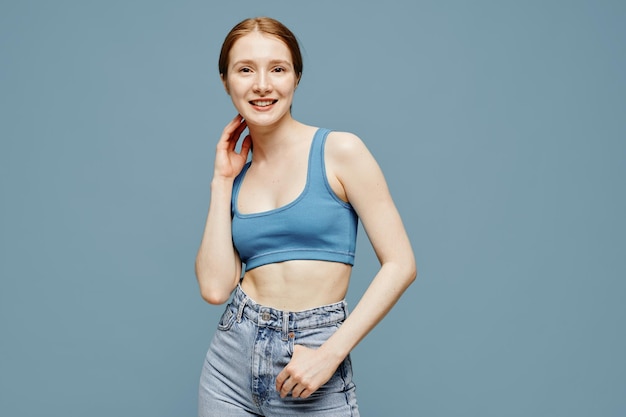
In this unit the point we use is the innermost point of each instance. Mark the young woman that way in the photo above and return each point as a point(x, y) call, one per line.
point(290, 216)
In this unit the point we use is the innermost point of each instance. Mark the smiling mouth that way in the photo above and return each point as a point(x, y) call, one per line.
point(262, 103)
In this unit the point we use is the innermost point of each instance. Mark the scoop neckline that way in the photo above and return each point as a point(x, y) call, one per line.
point(286, 206)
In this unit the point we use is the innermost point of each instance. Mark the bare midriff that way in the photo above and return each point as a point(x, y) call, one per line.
point(297, 285)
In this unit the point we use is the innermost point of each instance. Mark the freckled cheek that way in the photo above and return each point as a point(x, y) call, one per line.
point(239, 98)
point(240, 105)
point(238, 86)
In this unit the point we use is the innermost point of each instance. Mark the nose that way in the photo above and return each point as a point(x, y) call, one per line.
point(262, 83)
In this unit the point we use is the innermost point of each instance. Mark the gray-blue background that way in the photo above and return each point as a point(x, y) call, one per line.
point(499, 125)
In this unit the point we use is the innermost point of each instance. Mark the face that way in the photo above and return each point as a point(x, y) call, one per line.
point(261, 80)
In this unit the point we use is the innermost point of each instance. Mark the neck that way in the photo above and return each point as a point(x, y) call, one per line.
point(274, 140)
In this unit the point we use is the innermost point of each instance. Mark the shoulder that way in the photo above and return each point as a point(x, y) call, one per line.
point(348, 158)
point(344, 145)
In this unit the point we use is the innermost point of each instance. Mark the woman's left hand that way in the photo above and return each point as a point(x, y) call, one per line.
point(308, 370)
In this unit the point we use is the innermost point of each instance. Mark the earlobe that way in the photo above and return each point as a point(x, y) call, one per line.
point(298, 80)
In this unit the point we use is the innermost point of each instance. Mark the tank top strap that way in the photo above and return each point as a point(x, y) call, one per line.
point(317, 167)
point(237, 186)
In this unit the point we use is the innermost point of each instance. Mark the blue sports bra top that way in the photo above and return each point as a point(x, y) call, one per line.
point(317, 225)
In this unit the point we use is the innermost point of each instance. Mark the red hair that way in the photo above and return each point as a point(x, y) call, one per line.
point(265, 25)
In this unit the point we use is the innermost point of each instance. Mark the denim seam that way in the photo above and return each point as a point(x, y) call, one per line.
point(240, 309)
point(343, 371)
point(285, 325)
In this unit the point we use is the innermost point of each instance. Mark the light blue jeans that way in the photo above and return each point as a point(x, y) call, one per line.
point(252, 345)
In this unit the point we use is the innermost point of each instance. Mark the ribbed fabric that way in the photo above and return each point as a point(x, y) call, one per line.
point(317, 225)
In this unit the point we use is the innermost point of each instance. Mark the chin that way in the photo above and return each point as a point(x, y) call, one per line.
point(264, 120)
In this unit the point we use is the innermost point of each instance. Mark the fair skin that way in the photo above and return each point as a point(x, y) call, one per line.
point(261, 82)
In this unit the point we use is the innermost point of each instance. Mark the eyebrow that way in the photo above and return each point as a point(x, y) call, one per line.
point(272, 62)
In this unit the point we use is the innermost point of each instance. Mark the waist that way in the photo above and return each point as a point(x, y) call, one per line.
point(298, 285)
point(288, 320)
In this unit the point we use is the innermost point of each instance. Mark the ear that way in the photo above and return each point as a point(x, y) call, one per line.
point(225, 82)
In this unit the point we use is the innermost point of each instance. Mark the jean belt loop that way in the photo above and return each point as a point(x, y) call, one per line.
point(240, 309)
point(285, 324)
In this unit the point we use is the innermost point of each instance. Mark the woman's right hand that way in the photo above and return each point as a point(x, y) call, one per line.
point(228, 162)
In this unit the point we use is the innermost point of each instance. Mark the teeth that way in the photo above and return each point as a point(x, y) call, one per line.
point(262, 103)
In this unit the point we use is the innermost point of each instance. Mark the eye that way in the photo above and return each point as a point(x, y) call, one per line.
point(279, 69)
point(245, 69)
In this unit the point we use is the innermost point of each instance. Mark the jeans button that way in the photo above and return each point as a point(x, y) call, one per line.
point(266, 316)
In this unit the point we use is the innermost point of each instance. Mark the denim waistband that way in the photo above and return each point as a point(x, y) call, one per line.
point(287, 320)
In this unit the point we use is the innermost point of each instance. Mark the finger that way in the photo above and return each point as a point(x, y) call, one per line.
point(236, 134)
point(298, 391)
point(287, 387)
point(236, 120)
point(239, 130)
point(224, 141)
point(231, 135)
point(284, 383)
point(280, 379)
point(246, 145)
point(231, 127)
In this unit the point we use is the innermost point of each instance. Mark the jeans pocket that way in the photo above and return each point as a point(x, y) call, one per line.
point(227, 319)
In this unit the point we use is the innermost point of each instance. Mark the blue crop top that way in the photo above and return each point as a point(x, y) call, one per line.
point(317, 225)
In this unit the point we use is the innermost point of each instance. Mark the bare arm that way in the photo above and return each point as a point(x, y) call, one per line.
point(367, 191)
point(218, 266)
